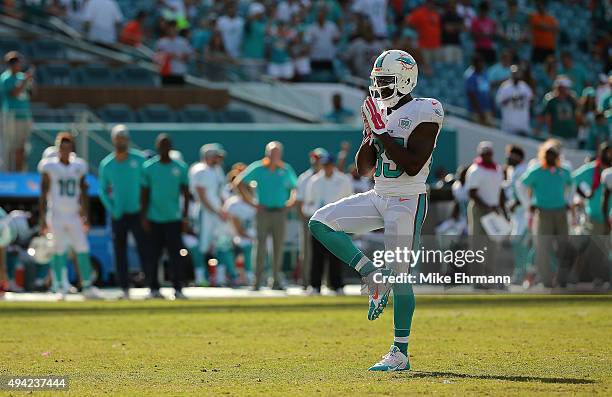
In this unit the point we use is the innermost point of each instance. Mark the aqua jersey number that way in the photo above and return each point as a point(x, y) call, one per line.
point(384, 166)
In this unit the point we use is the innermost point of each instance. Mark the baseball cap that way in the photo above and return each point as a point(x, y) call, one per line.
point(11, 55)
point(212, 149)
point(120, 130)
point(328, 159)
point(319, 152)
point(484, 147)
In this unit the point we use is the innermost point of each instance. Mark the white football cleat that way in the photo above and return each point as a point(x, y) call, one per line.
point(378, 293)
point(92, 293)
point(395, 360)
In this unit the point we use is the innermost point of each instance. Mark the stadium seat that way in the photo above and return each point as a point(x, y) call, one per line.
point(235, 116)
point(55, 74)
point(47, 49)
point(196, 114)
point(117, 113)
point(157, 113)
point(11, 44)
point(134, 75)
point(96, 75)
point(44, 115)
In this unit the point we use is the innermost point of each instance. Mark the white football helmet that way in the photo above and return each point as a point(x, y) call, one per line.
point(394, 75)
point(15, 228)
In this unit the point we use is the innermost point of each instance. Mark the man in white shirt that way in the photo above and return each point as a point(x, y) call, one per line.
point(323, 36)
point(305, 238)
point(483, 181)
point(177, 51)
point(231, 27)
point(102, 21)
point(514, 99)
point(326, 186)
point(376, 11)
point(206, 183)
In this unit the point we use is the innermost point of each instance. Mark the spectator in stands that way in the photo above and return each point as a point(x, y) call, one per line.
point(133, 31)
point(280, 65)
point(120, 175)
point(559, 111)
point(276, 182)
point(103, 20)
point(362, 51)
point(300, 52)
point(483, 182)
point(305, 238)
point(500, 72)
point(576, 73)
point(548, 182)
point(478, 92)
point(255, 31)
point(587, 108)
point(483, 31)
point(426, 21)
point(375, 12)
point(323, 36)
point(514, 98)
point(15, 88)
point(231, 27)
point(56, 8)
point(287, 9)
point(604, 97)
point(75, 13)
point(452, 26)
point(513, 27)
point(325, 187)
point(467, 12)
point(544, 29)
point(173, 52)
point(599, 132)
point(339, 114)
point(164, 182)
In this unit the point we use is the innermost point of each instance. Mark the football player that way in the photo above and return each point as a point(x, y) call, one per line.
point(63, 211)
point(399, 136)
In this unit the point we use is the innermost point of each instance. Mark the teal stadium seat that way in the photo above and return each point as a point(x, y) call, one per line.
point(196, 114)
point(134, 75)
point(96, 75)
point(11, 44)
point(47, 49)
point(235, 116)
point(157, 113)
point(117, 113)
point(55, 74)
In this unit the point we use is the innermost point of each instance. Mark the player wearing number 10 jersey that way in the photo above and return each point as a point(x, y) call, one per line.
point(63, 211)
point(400, 134)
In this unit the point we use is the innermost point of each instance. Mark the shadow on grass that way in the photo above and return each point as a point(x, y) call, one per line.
point(510, 378)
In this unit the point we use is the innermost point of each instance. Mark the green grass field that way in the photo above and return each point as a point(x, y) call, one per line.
point(313, 346)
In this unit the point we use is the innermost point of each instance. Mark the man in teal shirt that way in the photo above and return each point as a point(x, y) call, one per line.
point(15, 99)
point(548, 183)
point(589, 185)
point(165, 180)
point(276, 191)
point(120, 178)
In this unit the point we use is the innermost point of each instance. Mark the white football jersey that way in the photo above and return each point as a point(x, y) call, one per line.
point(389, 179)
point(211, 180)
point(65, 184)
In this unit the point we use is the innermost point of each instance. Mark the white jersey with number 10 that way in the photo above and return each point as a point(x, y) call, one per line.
point(65, 184)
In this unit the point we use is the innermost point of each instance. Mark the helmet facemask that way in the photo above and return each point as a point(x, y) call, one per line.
point(383, 88)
